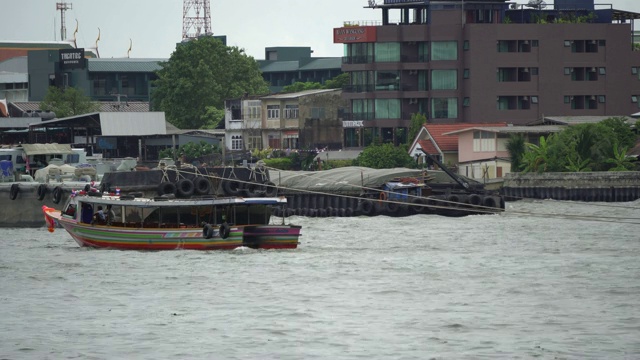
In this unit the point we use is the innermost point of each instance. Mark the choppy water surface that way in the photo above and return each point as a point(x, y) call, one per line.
point(420, 287)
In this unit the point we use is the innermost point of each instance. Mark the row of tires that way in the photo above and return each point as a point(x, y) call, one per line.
point(41, 192)
point(599, 194)
point(451, 205)
point(185, 188)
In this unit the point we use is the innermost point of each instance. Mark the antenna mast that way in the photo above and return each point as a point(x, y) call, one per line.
point(63, 6)
point(196, 19)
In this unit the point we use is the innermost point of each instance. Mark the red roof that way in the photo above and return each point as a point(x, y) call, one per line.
point(450, 142)
point(428, 146)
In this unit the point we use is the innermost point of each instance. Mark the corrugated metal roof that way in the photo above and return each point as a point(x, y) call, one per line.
point(323, 64)
point(574, 120)
point(105, 106)
point(280, 66)
point(128, 124)
point(299, 94)
point(12, 78)
point(125, 65)
point(512, 129)
point(15, 122)
point(18, 64)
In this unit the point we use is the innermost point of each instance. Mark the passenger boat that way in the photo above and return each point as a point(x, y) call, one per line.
point(161, 223)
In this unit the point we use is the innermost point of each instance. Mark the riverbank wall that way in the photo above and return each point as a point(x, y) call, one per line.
point(580, 186)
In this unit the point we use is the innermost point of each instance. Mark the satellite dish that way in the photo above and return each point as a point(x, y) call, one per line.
point(537, 4)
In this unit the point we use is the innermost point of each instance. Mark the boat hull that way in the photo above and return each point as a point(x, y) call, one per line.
point(124, 238)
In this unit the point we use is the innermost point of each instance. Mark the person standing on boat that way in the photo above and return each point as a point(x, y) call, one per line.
point(100, 215)
point(87, 213)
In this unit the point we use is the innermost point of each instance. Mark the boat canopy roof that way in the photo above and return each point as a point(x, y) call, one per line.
point(46, 149)
point(154, 203)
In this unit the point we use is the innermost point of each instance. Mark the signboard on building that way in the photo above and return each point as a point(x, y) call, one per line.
point(353, 124)
point(72, 59)
point(354, 34)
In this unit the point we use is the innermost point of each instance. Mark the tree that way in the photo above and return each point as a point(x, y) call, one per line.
point(338, 82)
point(536, 158)
point(417, 120)
point(200, 75)
point(301, 86)
point(620, 161)
point(516, 148)
point(68, 102)
point(385, 156)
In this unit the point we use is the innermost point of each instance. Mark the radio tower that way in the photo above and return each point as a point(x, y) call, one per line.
point(196, 19)
point(63, 6)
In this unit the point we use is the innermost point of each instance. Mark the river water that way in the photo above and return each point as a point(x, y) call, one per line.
point(534, 282)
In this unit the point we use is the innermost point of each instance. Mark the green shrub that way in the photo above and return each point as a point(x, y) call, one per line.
point(279, 163)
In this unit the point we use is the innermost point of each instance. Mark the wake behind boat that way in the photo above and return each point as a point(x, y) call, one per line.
point(161, 223)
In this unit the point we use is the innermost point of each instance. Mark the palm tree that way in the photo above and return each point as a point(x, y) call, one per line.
point(516, 149)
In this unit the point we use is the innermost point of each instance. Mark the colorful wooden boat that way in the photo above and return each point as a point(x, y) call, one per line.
point(127, 222)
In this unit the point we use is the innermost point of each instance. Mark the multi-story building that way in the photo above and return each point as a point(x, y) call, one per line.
point(303, 120)
point(487, 61)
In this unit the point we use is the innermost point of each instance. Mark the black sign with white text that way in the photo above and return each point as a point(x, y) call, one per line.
point(72, 59)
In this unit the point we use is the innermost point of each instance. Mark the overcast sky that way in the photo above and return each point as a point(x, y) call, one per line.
point(155, 26)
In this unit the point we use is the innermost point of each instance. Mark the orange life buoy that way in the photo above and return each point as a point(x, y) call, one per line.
point(383, 197)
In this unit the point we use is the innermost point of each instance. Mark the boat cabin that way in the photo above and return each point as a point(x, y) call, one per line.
point(170, 213)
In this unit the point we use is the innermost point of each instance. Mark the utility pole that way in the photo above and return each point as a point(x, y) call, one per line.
point(63, 6)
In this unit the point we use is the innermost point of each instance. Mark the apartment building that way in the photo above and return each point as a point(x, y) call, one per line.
point(485, 61)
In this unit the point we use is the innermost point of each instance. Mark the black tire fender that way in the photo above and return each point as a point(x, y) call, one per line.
point(207, 231)
point(418, 206)
point(232, 188)
point(167, 188)
point(367, 208)
point(201, 185)
point(185, 187)
point(224, 230)
point(490, 202)
point(57, 194)
point(42, 191)
point(13, 193)
point(270, 189)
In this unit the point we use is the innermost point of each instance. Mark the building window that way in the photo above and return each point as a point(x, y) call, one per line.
point(567, 71)
point(465, 73)
point(444, 50)
point(236, 142)
point(273, 112)
point(444, 79)
point(634, 70)
point(465, 102)
point(523, 46)
point(483, 141)
point(602, 71)
point(634, 98)
point(465, 45)
point(423, 51)
point(388, 80)
point(579, 102)
point(358, 53)
point(317, 113)
point(513, 103)
point(444, 108)
point(582, 46)
point(387, 108)
point(387, 52)
point(362, 109)
point(254, 110)
point(534, 70)
point(534, 99)
point(534, 43)
point(291, 111)
point(602, 99)
point(254, 142)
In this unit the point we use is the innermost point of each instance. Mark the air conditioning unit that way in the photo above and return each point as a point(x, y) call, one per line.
point(593, 97)
point(413, 72)
point(525, 98)
point(413, 101)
